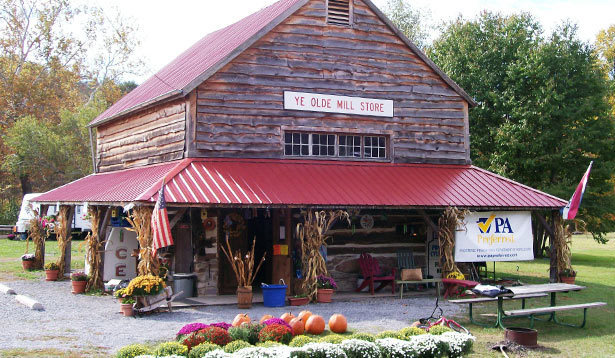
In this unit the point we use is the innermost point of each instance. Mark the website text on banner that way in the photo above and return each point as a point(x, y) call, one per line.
point(495, 236)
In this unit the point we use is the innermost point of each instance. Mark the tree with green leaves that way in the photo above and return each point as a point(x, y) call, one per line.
point(542, 111)
point(413, 22)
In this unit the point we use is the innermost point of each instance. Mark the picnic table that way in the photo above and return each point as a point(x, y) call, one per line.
point(451, 285)
point(534, 291)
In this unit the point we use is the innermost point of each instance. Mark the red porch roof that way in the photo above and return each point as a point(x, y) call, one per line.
point(245, 182)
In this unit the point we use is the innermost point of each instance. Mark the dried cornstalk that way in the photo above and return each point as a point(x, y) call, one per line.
point(37, 233)
point(242, 265)
point(63, 235)
point(562, 243)
point(451, 219)
point(140, 220)
point(94, 249)
point(313, 234)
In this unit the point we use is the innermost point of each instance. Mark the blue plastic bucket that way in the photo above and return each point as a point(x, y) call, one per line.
point(274, 295)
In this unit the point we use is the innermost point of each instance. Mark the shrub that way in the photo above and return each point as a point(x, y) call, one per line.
point(301, 340)
point(202, 349)
point(275, 332)
point(132, 351)
point(235, 346)
point(191, 327)
point(389, 334)
point(171, 348)
point(356, 348)
point(248, 332)
point(332, 338)
point(363, 336)
point(268, 344)
point(215, 335)
point(323, 350)
point(193, 340)
point(408, 332)
point(437, 330)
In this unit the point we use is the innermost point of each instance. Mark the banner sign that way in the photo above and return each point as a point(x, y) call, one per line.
point(314, 102)
point(495, 236)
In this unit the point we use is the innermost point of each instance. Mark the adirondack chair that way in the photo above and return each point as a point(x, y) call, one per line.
point(372, 273)
point(405, 260)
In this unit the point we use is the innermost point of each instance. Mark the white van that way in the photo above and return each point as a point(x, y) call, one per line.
point(26, 213)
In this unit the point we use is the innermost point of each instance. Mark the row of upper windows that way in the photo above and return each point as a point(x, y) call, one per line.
point(304, 144)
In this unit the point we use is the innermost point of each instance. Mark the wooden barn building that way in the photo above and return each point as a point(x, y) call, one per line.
point(304, 104)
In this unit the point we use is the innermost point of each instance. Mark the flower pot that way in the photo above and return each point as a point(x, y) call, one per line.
point(27, 265)
point(51, 275)
point(79, 286)
point(323, 295)
point(298, 301)
point(244, 297)
point(567, 279)
point(127, 309)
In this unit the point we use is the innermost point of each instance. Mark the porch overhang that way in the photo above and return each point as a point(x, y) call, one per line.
point(304, 183)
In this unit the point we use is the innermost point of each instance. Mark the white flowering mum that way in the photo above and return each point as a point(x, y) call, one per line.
point(218, 353)
point(395, 348)
point(458, 343)
point(151, 356)
point(356, 348)
point(263, 352)
point(427, 345)
point(323, 349)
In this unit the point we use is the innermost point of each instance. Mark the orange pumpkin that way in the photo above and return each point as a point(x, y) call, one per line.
point(315, 324)
point(264, 318)
point(287, 317)
point(241, 319)
point(338, 323)
point(297, 326)
point(304, 315)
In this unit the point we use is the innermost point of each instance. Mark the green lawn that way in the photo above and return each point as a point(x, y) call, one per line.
point(595, 266)
point(10, 258)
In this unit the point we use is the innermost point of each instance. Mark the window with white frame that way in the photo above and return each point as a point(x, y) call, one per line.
point(304, 144)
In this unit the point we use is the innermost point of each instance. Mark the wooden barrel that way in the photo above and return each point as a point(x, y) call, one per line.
point(244, 297)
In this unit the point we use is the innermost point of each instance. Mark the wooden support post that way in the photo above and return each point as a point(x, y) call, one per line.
point(102, 237)
point(41, 214)
point(553, 252)
point(428, 220)
point(180, 213)
point(68, 230)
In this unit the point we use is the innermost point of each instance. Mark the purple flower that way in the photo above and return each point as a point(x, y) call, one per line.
point(326, 282)
point(222, 325)
point(276, 321)
point(191, 327)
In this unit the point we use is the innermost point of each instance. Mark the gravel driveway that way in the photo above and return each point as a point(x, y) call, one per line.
point(93, 324)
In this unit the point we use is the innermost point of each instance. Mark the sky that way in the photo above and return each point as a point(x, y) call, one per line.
point(167, 28)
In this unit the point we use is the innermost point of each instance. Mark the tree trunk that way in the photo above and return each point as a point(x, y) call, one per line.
point(26, 185)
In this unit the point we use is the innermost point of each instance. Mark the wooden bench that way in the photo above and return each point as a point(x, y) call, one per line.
point(531, 312)
point(472, 301)
point(437, 281)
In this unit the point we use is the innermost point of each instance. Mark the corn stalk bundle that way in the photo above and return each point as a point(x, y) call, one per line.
point(63, 235)
point(448, 223)
point(313, 234)
point(562, 243)
point(94, 248)
point(243, 265)
point(37, 234)
point(140, 220)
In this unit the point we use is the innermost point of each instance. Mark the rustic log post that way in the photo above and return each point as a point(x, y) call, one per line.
point(553, 252)
point(102, 237)
point(63, 236)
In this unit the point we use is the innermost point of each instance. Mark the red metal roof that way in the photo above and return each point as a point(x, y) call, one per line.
point(250, 182)
point(195, 61)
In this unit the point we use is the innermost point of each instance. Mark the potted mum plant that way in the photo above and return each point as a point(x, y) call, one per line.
point(51, 271)
point(126, 302)
point(567, 276)
point(299, 300)
point(27, 260)
point(79, 280)
point(326, 285)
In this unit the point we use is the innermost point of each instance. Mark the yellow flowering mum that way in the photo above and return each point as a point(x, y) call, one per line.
point(144, 285)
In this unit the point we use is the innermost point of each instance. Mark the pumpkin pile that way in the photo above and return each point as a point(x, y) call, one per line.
point(304, 322)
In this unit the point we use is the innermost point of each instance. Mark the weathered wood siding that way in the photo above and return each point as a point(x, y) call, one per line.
point(154, 136)
point(240, 108)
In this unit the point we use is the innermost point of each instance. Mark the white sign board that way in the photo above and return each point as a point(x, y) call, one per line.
point(119, 264)
point(495, 236)
point(314, 102)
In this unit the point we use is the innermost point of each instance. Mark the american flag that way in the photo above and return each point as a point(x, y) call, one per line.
point(161, 231)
